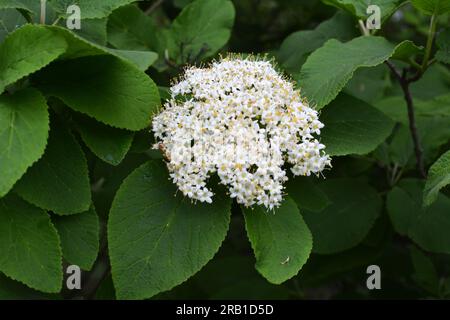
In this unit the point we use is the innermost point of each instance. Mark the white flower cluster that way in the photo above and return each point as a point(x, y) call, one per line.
point(242, 120)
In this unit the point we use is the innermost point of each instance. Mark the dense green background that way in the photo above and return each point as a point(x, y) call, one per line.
point(80, 184)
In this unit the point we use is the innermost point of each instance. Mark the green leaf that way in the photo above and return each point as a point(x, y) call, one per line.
point(105, 88)
point(23, 134)
point(93, 30)
point(59, 181)
point(406, 50)
point(323, 268)
point(395, 107)
point(438, 177)
point(431, 7)
point(426, 226)
point(10, 20)
point(433, 83)
point(297, 46)
point(158, 240)
point(79, 237)
point(307, 194)
point(425, 274)
point(443, 43)
point(131, 29)
point(108, 143)
point(77, 46)
point(433, 132)
point(29, 245)
point(181, 3)
point(80, 47)
point(13, 290)
point(16, 4)
point(329, 68)
point(281, 240)
point(353, 126)
point(202, 28)
point(342, 225)
point(231, 267)
point(89, 9)
point(27, 50)
point(369, 84)
point(358, 8)
point(134, 32)
point(106, 290)
point(141, 59)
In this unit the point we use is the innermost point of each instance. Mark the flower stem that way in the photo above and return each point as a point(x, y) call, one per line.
point(43, 11)
point(429, 46)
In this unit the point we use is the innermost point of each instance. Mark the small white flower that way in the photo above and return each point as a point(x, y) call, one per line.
point(242, 120)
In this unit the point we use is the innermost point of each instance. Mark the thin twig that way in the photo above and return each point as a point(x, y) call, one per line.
point(394, 70)
point(426, 62)
point(153, 7)
point(43, 11)
point(413, 128)
point(404, 83)
point(363, 28)
point(429, 46)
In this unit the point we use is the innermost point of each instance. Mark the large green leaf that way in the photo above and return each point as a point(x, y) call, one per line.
point(425, 273)
point(79, 47)
point(358, 8)
point(280, 239)
point(443, 42)
point(108, 143)
point(10, 20)
point(130, 28)
point(252, 286)
point(59, 181)
point(89, 9)
point(93, 30)
point(79, 237)
point(306, 194)
point(438, 177)
point(433, 132)
point(141, 59)
point(406, 50)
point(29, 245)
point(342, 225)
point(353, 126)
point(329, 68)
point(27, 50)
point(297, 46)
point(16, 4)
point(14, 290)
point(430, 7)
point(369, 84)
point(23, 134)
point(105, 88)
point(158, 240)
point(202, 28)
point(426, 226)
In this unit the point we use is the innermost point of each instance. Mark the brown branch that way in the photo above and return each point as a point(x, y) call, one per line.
point(394, 70)
point(413, 128)
point(404, 83)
